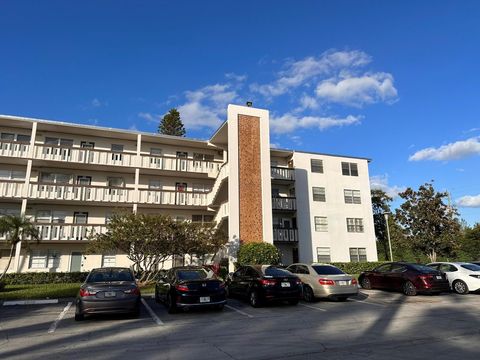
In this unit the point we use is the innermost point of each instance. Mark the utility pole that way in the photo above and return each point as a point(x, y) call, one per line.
point(388, 236)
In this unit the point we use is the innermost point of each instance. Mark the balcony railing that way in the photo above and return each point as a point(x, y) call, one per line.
point(69, 231)
point(281, 173)
point(11, 188)
point(168, 197)
point(285, 235)
point(284, 203)
point(179, 164)
point(13, 149)
point(81, 193)
point(222, 213)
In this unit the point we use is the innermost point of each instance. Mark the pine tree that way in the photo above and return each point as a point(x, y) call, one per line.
point(171, 124)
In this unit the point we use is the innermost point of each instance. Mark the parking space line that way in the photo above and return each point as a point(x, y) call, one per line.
point(239, 311)
point(368, 303)
point(312, 307)
point(54, 325)
point(152, 313)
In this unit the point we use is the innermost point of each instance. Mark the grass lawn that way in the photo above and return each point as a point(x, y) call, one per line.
point(50, 291)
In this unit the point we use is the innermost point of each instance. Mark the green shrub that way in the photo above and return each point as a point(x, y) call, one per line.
point(2, 286)
point(258, 254)
point(45, 278)
point(357, 267)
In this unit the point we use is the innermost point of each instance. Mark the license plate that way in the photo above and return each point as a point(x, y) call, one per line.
point(439, 277)
point(285, 284)
point(341, 282)
point(110, 293)
point(204, 299)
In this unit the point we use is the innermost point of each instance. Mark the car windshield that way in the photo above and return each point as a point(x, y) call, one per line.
point(422, 268)
point(274, 271)
point(471, 267)
point(327, 270)
point(106, 275)
point(191, 274)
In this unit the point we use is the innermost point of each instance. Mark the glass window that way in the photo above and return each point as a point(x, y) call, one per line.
point(23, 138)
point(471, 267)
point(316, 166)
point(156, 151)
point(207, 218)
point(117, 148)
point(87, 144)
point(59, 217)
point(323, 254)
point(197, 218)
point(327, 270)
point(321, 223)
point(7, 136)
point(360, 255)
point(274, 271)
point(319, 194)
point(355, 225)
point(51, 141)
point(66, 142)
point(352, 196)
point(349, 169)
point(38, 259)
point(155, 184)
point(191, 274)
point(109, 260)
point(43, 216)
point(115, 182)
point(302, 269)
point(53, 260)
point(397, 268)
point(109, 274)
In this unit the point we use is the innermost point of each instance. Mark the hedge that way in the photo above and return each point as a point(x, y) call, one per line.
point(45, 278)
point(258, 253)
point(357, 267)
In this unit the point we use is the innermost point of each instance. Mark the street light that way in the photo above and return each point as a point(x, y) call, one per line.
point(388, 236)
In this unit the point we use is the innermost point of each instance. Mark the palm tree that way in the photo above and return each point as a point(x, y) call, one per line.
point(17, 229)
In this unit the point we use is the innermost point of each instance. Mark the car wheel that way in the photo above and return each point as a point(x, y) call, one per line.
point(293, 302)
point(409, 289)
point(365, 283)
point(460, 287)
point(254, 299)
point(136, 312)
point(342, 298)
point(308, 294)
point(78, 314)
point(171, 304)
point(157, 298)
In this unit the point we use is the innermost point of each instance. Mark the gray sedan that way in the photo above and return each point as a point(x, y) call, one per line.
point(108, 290)
point(324, 281)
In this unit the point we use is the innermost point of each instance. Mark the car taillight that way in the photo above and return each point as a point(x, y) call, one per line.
point(426, 278)
point(354, 282)
point(133, 291)
point(298, 282)
point(221, 285)
point(326, 282)
point(86, 292)
point(268, 282)
point(181, 287)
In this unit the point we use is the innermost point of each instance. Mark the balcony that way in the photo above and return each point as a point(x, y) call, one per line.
point(285, 235)
point(14, 149)
point(282, 174)
point(171, 163)
point(11, 188)
point(169, 197)
point(284, 203)
point(69, 232)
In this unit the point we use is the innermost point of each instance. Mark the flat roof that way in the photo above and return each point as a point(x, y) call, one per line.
point(292, 151)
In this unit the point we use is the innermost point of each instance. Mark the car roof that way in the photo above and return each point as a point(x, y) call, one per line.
point(450, 262)
point(111, 268)
point(188, 267)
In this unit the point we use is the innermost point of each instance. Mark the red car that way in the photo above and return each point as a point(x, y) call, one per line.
point(405, 277)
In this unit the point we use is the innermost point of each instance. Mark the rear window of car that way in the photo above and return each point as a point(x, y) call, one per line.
point(471, 267)
point(422, 268)
point(191, 274)
point(274, 271)
point(327, 270)
point(108, 275)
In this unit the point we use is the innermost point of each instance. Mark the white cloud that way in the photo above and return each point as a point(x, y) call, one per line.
point(358, 91)
point(290, 122)
point(274, 145)
point(380, 182)
point(236, 77)
point(299, 72)
point(469, 201)
point(151, 118)
point(308, 102)
point(453, 151)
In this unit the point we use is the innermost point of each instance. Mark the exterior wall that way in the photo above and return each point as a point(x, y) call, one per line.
point(336, 238)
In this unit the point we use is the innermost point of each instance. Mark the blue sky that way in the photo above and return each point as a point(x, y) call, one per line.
point(395, 81)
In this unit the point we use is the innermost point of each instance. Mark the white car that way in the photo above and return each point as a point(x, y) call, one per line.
point(463, 277)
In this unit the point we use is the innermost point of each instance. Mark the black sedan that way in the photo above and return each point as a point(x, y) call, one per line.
point(406, 277)
point(190, 286)
point(264, 283)
point(108, 290)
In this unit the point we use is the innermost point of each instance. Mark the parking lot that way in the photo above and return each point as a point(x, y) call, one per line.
point(374, 325)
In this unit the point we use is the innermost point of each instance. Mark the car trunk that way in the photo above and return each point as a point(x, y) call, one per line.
point(110, 290)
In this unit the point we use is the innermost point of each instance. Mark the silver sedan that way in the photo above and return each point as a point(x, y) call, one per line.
point(324, 281)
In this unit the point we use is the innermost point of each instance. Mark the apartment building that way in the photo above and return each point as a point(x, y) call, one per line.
point(70, 178)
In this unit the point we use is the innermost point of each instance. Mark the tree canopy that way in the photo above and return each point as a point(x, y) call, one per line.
point(380, 206)
point(171, 124)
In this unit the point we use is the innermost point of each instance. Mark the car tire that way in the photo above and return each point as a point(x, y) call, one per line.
point(254, 299)
point(409, 288)
point(171, 305)
point(460, 287)
point(341, 298)
point(219, 307)
point(157, 298)
point(293, 302)
point(79, 317)
point(365, 283)
point(308, 294)
point(136, 312)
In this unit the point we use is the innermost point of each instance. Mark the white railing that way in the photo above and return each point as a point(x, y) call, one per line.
point(288, 235)
point(222, 213)
point(284, 203)
point(83, 155)
point(13, 149)
point(180, 164)
point(69, 231)
point(279, 173)
point(81, 193)
point(168, 197)
point(222, 175)
point(11, 189)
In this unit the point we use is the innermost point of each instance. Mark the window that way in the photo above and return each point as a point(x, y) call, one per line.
point(59, 217)
point(66, 142)
point(115, 182)
point(323, 254)
point(109, 260)
point(352, 196)
point(355, 225)
point(349, 169)
point(53, 259)
point(23, 138)
point(359, 255)
point(53, 178)
point(51, 141)
point(43, 216)
point(12, 175)
point(327, 269)
point(38, 259)
point(275, 192)
point(58, 142)
point(316, 166)
point(155, 185)
point(80, 217)
point(7, 136)
point(321, 223)
point(319, 194)
point(202, 157)
point(202, 218)
point(87, 144)
point(302, 269)
point(117, 148)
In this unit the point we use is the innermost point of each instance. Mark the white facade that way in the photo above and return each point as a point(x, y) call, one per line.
point(69, 179)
